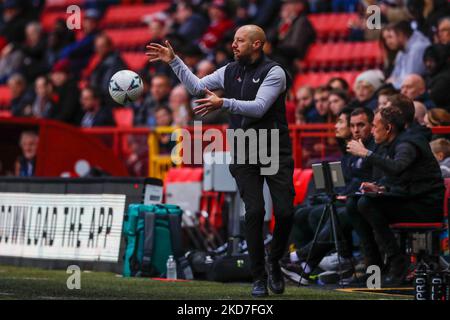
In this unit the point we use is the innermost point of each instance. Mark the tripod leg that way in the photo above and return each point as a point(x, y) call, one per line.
point(337, 230)
point(316, 234)
point(333, 218)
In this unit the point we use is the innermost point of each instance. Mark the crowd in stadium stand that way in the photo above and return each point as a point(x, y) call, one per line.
point(46, 71)
point(382, 119)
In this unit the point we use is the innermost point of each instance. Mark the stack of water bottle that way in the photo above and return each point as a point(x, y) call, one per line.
point(431, 284)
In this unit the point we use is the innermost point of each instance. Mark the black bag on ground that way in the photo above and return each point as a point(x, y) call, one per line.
point(230, 269)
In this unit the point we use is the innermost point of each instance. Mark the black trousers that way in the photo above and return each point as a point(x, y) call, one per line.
point(371, 217)
point(250, 183)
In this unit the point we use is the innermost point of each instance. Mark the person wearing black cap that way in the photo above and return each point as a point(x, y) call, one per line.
point(255, 88)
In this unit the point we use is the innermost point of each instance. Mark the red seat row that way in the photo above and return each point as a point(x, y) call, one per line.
point(130, 38)
point(135, 60)
point(62, 4)
point(343, 55)
point(316, 79)
point(332, 25)
point(121, 15)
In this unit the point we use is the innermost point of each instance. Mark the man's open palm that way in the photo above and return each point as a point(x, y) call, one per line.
point(157, 52)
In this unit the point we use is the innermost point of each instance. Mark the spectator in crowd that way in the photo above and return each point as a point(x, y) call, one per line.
point(304, 108)
point(411, 45)
point(109, 62)
point(79, 52)
point(14, 22)
point(437, 117)
point(383, 96)
point(159, 34)
point(95, 114)
point(443, 31)
point(388, 49)
point(259, 12)
point(58, 38)
point(427, 13)
point(26, 163)
point(164, 118)
point(365, 87)
point(338, 99)
point(441, 151)
point(34, 51)
point(393, 10)
point(413, 87)
point(180, 104)
point(420, 112)
point(137, 160)
point(321, 106)
point(338, 83)
point(220, 23)
point(11, 59)
point(293, 35)
point(411, 190)
point(44, 100)
point(21, 98)
point(437, 63)
point(159, 96)
point(190, 25)
point(193, 55)
point(67, 94)
point(204, 68)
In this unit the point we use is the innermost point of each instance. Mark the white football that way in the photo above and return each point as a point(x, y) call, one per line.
point(125, 86)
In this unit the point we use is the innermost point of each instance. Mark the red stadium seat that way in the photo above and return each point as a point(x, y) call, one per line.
point(123, 117)
point(135, 60)
point(332, 25)
point(62, 4)
point(343, 55)
point(119, 15)
point(5, 114)
point(5, 97)
point(316, 79)
point(48, 19)
point(129, 38)
point(184, 174)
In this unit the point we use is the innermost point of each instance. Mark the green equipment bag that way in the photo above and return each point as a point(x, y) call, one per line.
point(152, 233)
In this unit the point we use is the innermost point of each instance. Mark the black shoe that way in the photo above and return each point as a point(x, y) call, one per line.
point(398, 270)
point(259, 289)
point(276, 279)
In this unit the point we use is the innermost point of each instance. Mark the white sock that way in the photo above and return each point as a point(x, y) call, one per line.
point(305, 267)
point(293, 256)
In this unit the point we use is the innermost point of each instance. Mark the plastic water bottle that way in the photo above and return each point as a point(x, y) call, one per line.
point(171, 268)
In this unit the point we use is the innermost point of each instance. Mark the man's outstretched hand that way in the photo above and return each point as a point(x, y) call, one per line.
point(157, 52)
point(208, 104)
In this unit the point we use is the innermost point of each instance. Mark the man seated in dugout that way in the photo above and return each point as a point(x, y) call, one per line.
point(409, 113)
point(351, 124)
point(410, 190)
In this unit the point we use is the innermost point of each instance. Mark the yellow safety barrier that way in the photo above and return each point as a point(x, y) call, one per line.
point(159, 163)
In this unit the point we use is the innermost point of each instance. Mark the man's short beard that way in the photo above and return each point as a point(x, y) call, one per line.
point(243, 61)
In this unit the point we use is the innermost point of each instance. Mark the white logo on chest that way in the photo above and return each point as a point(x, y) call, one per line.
point(256, 80)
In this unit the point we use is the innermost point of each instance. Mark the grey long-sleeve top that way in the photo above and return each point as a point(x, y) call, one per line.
point(273, 85)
